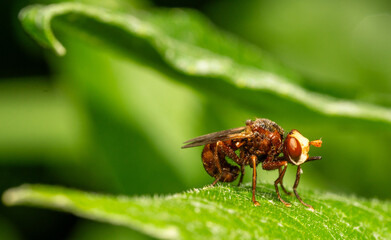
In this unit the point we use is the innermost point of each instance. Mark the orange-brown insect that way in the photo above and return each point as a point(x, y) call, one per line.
point(260, 141)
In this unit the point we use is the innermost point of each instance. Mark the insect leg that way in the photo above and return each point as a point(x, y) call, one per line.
point(216, 180)
point(241, 174)
point(282, 185)
point(279, 180)
point(228, 151)
point(229, 172)
point(243, 156)
point(254, 165)
point(215, 164)
point(295, 187)
point(272, 165)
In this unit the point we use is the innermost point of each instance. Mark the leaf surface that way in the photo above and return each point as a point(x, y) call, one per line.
point(188, 44)
point(220, 212)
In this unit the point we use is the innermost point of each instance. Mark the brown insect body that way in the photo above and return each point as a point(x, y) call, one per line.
point(229, 172)
point(265, 144)
point(259, 141)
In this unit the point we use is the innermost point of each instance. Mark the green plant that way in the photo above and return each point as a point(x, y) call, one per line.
point(219, 212)
point(143, 81)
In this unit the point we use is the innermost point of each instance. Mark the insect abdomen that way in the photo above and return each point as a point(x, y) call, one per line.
point(228, 172)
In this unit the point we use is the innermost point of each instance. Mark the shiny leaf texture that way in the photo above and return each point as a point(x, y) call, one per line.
point(222, 56)
point(219, 212)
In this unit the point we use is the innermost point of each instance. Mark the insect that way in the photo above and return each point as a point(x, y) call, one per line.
point(260, 141)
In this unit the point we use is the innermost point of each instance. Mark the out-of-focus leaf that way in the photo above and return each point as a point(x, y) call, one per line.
point(137, 123)
point(42, 126)
point(219, 212)
point(7, 231)
point(37, 120)
point(179, 38)
point(342, 51)
point(88, 230)
point(139, 66)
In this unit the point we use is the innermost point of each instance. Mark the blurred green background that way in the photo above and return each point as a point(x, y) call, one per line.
point(101, 120)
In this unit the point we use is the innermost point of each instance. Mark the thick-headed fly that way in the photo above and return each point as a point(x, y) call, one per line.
point(260, 141)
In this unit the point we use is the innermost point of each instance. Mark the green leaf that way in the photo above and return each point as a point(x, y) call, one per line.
point(37, 120)
point(179, 39)
point(8, 230)
point(89, 230)
point(220, 212)
point(343, 50)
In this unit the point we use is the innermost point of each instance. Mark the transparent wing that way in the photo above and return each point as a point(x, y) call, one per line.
point(235, 133)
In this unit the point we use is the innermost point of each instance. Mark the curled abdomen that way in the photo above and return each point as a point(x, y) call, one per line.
point(218, 167)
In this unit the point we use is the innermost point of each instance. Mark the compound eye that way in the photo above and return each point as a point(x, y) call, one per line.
point(293, 148)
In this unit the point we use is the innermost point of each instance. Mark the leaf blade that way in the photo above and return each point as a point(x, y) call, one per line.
point(192, 57)
point(218, 212)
